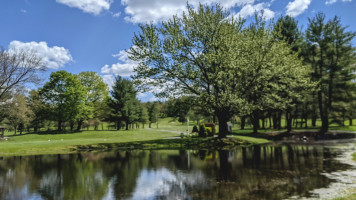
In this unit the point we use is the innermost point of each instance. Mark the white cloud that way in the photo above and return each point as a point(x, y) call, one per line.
point(89, 6)
point(250, 10)
point(329, 2)
point(117, 14)
point(23, 11)
point(124, 67)
point(141, 11)
point(52, 57)
point(297, 7)
point(109, 80)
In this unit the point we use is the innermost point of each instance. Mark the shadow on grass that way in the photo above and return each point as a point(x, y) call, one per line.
point(179, 143)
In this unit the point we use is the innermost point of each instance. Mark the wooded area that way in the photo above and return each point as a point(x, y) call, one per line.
point(209, 67)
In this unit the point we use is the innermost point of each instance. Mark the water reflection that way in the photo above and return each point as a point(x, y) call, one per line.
point(257, 172)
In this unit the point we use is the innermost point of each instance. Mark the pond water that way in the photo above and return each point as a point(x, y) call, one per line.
point(274, 171)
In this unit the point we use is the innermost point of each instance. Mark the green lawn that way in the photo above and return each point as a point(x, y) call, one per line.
point(53, 142)
point(62, 143)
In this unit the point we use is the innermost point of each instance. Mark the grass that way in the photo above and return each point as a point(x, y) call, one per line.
point(53, 143)
point(348, 197)
point(31, 144)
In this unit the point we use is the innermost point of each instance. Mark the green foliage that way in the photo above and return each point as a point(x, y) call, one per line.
point(38, 108)
point(143, 116)
point(18, 114)
point(209, 55)
point(153, 112)
point(65, 97)
point(330, 53)
point(124, 104)
point(96, 92)
point(179, 108)
point(287, 29)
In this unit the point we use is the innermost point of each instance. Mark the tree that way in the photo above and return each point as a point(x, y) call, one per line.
point(331, 55)
point(153, 113)
point(179, 108)
point(38, 108)
point(191, 55)
point(18, 113)
point(124, 104)
point(65, 96)
point(287, 27)
point(17, 68)
point(287, 30)
point(207, 54)
point(95, 94)
point(143, 116)
point(272, 75)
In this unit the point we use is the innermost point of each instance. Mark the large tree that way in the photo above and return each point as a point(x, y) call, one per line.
point(207, 54)
point(96, 91)
point(65, 96)
point(18, 114)
point(331, 55)
point(39, 109)
point(17, 68)
point(124, 105)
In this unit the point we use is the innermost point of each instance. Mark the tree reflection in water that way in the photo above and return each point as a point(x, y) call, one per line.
point(256, 172)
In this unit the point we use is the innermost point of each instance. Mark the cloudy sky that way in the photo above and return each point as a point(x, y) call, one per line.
point(92, 35)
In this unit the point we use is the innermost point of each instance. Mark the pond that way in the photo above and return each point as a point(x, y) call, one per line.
point(273, 171)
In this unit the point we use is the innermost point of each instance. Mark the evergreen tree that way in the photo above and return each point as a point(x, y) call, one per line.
point(143, 115)
point(331, 54)
point(153, 113)
point(124, 105)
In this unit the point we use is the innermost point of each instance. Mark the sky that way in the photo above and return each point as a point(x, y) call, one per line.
point(92, 35)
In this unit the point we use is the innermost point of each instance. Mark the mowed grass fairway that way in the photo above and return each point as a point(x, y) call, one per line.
point(34, 144)
point(63, 142)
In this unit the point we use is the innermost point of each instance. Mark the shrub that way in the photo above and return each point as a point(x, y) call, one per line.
point(212, 128)
point(195, 129)
point(202, 130)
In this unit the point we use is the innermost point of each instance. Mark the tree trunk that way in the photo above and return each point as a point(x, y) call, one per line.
point(323, 114)
point(275, 120)
point(306, 122)
point(350, 121)
point(127, 125)
point(314, 120)
point(269, 119)
point(289, 119)
point(243, 122)
point(223, 119)
point(71, 126)
point(59, 125)
point(80, 123)
point(149, 125)
point(314, 115)
point(118, 125)
point(255, 120)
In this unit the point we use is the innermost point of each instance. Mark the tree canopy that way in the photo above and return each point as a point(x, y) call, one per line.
point(65, 96)
point(207, 54)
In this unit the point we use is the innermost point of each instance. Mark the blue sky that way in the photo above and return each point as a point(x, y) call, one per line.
point(91, 35)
